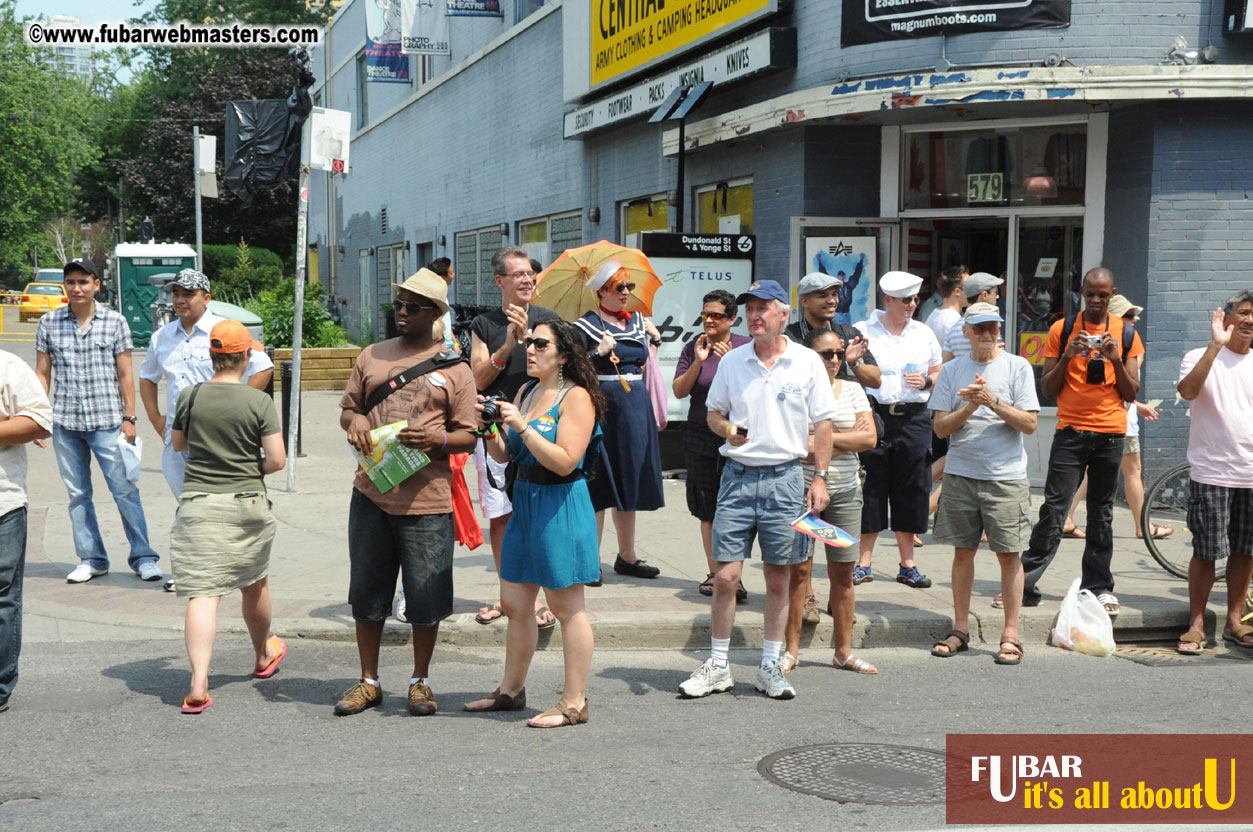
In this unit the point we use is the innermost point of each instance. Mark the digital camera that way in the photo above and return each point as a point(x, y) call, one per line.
point(491, 408)
point(1094, 342)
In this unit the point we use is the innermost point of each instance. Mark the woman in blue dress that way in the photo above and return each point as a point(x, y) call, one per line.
point(550, 541)
point(630, 475)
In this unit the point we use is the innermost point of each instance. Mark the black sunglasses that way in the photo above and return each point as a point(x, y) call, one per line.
point(625, 287)
point(827, 355)
point(540, 344)
point(413, 307)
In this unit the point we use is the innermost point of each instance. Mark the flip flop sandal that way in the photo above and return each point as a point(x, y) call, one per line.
point(1238, 635)
point(545, 625)
point(856, 665)
point(1158, 534)
point(1016, 646)
point(787, 663)
point(190, 707)
point(280, 652)
point(569, 716)
point(918, 544)
point(963, 644)
point(1107, 600)
point(488, 618)
point(998, 603)
point(1191, 637)
point(1075, 533)
point(501, 702)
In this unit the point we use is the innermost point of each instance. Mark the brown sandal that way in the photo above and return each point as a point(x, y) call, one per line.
point(500, 702)
point(569, 716)
point(963, 643)
point(1015, 645)
point(1191, 637)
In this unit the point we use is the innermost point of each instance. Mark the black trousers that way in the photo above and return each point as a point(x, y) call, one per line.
point(1073, 453)
point(898, 475)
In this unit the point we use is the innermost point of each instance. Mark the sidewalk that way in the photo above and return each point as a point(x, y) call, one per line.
point(309, 573)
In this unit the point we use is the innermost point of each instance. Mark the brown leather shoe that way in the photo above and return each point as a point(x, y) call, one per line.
point(421, 700)
point(359, 697)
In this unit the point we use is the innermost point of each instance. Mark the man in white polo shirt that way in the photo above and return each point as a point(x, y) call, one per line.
point(898, 471)
point(763, 398)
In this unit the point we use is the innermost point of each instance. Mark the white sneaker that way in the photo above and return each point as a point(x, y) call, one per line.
point(149, 571)
point(83, 573)
point(707, 679)
point(398, 607)
point(772, 682)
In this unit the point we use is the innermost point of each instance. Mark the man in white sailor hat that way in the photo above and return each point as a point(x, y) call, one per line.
point(898, 471)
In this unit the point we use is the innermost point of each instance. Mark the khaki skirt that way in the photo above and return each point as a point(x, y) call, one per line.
point(220, 542)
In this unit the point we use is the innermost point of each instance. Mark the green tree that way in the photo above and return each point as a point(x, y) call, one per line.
point(45, 141)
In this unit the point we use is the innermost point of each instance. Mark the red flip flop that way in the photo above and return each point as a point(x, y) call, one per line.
point(280, 647)
point(197, 708)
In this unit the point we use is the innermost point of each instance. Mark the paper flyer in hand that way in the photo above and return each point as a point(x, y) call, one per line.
point(391, 463)
point(820, 529)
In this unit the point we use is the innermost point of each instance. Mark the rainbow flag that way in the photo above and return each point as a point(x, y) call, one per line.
point(820, 529)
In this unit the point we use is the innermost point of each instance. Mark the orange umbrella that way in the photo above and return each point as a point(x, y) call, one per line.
point(562, 287)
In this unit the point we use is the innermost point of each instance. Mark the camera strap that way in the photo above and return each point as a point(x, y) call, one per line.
point(436, 362)
point(1128, 332)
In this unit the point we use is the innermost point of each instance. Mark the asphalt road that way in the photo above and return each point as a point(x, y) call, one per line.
point(94, 739)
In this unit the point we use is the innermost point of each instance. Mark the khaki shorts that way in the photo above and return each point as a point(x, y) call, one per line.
point(969, 507)
point(1130, 445)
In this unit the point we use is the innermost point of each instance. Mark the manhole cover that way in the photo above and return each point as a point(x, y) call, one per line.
point(859, 772)
point(1169, 657)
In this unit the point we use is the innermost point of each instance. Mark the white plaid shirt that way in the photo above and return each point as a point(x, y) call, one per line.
point(85, 394)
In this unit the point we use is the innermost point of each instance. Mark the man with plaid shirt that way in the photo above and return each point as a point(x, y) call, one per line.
point(88, 346)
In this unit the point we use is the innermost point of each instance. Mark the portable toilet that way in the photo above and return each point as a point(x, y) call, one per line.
point(133, 264)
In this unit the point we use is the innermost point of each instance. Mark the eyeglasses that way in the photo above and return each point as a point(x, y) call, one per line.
point(625, 287)
point(987, 328)
point(518, 275)
point(827, 355)
point(412, 307)
point(714, 316)
point(909, 301)
point(540, 344)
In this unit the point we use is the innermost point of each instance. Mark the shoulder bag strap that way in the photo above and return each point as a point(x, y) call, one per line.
point(439, 361)
point(191, 400)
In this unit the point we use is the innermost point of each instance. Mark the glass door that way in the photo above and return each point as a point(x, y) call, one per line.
point(1049, 270)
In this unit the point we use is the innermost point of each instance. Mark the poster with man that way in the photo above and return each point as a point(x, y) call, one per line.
point(852, 260)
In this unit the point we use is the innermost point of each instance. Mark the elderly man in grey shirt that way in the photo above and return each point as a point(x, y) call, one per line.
point(985, 402)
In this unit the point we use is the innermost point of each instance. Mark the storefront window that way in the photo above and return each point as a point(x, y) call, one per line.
point(725, 208)
point(1009, 167)
point(644, 214)
point(1049, 273)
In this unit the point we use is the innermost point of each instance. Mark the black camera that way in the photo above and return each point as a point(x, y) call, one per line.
point(1096, 371)
point(491, 408)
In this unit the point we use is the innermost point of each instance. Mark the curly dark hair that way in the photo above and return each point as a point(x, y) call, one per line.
point(578, 367)
point(723, 297)
point(815, 334)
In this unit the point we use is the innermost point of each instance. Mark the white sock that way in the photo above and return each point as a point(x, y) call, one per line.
point(425, 679)
point(371, 682)
point(718, 650)
point(770, 651)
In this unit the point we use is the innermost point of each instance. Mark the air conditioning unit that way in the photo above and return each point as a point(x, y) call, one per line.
point(1238, 17)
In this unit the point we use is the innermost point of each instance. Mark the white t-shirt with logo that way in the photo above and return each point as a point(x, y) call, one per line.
point(1220, 438)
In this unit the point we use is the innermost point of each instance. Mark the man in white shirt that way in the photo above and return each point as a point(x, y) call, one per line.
point(1218, 380)
point(25, 416)
point(898, 471)
point(952, 301)
point(985, 403)
point(763, 398)
point(179, 353)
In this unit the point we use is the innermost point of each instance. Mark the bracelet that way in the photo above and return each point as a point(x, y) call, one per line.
point(445, 444)
point(730, 429)
point(499, 365)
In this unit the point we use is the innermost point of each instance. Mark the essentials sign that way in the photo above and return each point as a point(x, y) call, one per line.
point(627, 35)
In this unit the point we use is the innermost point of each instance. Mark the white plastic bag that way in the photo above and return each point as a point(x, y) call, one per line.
point(1083, 625)
point(130, 456)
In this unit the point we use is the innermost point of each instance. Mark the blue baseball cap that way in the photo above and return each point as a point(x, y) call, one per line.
point(764, 290)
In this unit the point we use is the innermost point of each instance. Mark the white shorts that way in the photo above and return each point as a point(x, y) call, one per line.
point(493, 502)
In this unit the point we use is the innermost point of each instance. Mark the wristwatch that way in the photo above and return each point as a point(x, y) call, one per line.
point(857, 363)
point(130, 419)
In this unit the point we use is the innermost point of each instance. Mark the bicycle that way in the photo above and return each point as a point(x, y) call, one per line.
point(1166, 501)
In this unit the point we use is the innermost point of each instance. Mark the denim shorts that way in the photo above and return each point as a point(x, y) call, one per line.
point(761, 502)
point(417, 546)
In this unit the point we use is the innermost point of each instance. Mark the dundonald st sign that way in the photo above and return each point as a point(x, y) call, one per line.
point(872, 21)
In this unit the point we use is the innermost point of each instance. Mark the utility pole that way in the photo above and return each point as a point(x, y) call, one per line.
point(195, 172)
point(302, 217)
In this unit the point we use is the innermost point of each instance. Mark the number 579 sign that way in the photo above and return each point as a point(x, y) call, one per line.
point(985, 187)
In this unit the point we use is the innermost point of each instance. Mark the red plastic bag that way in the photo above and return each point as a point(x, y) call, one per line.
point(468, 532)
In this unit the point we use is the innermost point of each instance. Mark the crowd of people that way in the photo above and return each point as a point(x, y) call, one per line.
point(852, 423)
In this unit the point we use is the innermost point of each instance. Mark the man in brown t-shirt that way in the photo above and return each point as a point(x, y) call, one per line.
point(409, 529)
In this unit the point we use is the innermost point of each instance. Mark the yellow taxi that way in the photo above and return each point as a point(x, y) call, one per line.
point(40, 298)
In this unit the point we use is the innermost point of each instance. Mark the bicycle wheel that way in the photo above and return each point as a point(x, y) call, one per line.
point(1166, 502)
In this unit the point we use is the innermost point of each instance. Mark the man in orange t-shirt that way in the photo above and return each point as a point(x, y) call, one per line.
point(1092, 386)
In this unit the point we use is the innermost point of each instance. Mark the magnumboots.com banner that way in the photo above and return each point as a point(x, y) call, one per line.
point(873, 21)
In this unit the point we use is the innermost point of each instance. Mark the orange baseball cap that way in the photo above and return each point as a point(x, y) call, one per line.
point(231, 337)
